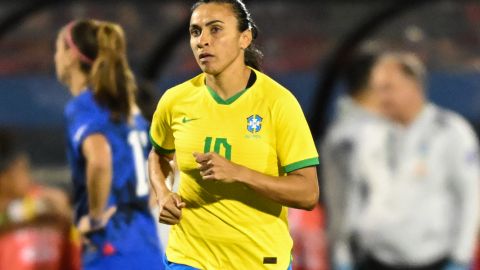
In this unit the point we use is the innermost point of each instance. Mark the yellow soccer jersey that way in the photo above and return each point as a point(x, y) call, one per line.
point(229, 226)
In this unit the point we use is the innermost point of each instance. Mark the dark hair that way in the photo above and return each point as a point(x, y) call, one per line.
point(358, 71)
point(9, 150)
point(146, 99)
point(253, 56)
point(410, 64)
point(102, 48)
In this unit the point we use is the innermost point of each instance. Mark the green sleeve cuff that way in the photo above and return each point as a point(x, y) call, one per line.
point(301, 164)
point(160, 149)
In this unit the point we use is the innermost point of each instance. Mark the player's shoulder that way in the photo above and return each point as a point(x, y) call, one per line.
point(184, 89)
point(357, 127)
point(343, 131)
point(272, 91)
point(453, 122)
point(83, 105)
point(335, 137)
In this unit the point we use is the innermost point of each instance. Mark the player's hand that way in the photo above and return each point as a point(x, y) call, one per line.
point(85, 225)
point(170, 206)
point(212, 166)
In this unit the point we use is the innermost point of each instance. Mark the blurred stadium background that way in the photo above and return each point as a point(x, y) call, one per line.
point(299, 39)
point(305, 43)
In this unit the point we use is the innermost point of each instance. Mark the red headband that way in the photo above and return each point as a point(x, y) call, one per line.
point(68, 38)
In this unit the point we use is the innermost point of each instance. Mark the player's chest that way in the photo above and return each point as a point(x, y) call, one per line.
point(233, 132)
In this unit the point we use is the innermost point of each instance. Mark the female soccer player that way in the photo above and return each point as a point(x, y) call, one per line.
point(243, 147)
point(107, 146)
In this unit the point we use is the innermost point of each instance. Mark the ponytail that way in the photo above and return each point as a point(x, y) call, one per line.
point(110, 76)
point(253, 57)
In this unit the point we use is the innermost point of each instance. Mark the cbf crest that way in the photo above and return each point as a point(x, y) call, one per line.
point(254, 123)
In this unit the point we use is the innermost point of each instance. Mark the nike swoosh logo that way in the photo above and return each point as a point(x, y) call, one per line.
point(186, 120)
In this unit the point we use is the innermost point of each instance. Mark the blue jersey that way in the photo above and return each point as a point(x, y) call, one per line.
point(129, 146)
point(132, 229)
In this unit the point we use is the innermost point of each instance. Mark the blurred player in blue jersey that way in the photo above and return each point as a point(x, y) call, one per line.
point(107, 148)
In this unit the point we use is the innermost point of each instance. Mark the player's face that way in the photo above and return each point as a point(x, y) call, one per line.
point(399, 94)
point(61, 59)
point(15, 181)
point(214, 38)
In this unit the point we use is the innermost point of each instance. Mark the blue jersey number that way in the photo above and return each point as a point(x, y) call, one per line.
point(138, 142)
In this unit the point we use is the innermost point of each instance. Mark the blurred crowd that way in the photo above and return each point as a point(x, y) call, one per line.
point(444, 35)
point(455, 44)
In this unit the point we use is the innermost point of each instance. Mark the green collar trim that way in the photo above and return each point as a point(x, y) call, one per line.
point(222, 101)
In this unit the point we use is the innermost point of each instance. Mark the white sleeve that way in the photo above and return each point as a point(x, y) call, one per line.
point(466, 185)
point(336, 159)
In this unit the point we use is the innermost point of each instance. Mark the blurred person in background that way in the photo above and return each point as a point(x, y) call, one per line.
point(424, 214)
point(35, 227)
point(107, 148)
point(243, 148)
point(355, 131)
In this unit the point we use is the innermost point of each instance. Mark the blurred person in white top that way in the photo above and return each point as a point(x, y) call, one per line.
point(421, 208)
point(355, 133)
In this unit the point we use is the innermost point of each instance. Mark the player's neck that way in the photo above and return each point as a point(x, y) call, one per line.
point(231, 81)
point(412, 115)
point(368, 102)
point(78, 83)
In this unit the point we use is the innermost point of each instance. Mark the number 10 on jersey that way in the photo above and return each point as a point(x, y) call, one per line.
point(219, 144)
point(138, 142)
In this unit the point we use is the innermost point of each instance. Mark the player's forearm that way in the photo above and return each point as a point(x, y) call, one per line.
point(99, 181)
point(296, 190)
point(159, 168)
